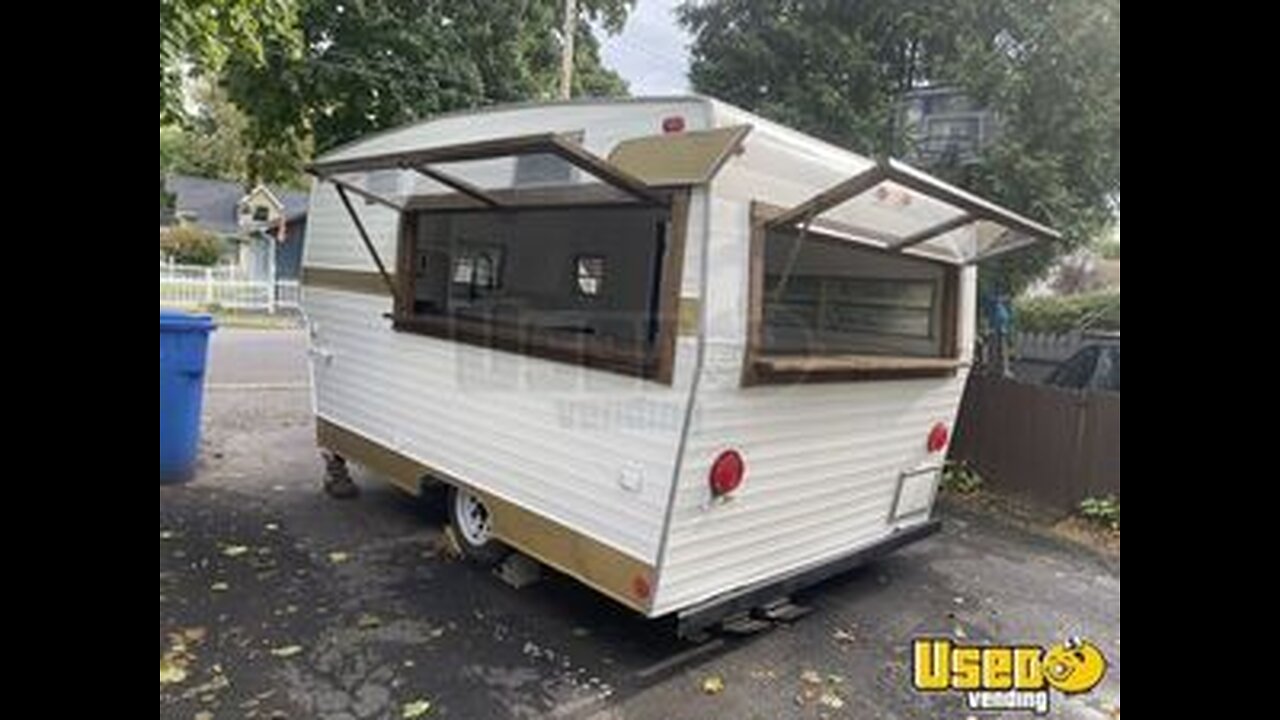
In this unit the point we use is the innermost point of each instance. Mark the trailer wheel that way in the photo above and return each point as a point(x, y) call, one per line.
point(472, 524)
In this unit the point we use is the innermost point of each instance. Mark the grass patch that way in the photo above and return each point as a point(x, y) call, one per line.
point(257, 321)
point(959, 478)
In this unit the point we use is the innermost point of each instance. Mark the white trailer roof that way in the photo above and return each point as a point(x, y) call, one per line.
point(886, 203)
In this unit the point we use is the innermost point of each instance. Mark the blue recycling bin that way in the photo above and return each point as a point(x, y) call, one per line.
point(184, 342)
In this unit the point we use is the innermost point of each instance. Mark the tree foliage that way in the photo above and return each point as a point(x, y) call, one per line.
point(375, 64)
point(199, 35)
point(1049, 69)
point(214, 142)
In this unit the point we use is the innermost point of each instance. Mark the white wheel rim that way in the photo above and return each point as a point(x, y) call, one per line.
point(473, 518)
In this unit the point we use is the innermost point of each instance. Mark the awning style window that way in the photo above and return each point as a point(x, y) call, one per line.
point(895, 207)
point(507, 172)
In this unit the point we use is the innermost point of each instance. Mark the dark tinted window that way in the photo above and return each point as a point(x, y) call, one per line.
point(578, 272)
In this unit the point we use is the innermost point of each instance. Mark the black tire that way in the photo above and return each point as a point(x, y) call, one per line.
point(487, 553)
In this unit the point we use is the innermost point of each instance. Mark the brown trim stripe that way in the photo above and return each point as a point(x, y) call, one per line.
point(369, 282)
point(403, 472)
point(612, 572)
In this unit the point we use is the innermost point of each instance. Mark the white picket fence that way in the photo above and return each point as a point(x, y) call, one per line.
point(190, 286)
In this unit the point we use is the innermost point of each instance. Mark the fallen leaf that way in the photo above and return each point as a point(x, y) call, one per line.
point(367, 621)
point(831, 700)
point(166, 534)
point(194, 634)
point(220, 587)
point(415, 709)
point(842, 636)
point(449, 542)
point(235, 550)
point(835, 679)
point(339, 557)
point(286, 651)
point(203, 715)
point(172, 669)
point(713, 684)
point(271, 527)
point(206, 691)
point(811, 677)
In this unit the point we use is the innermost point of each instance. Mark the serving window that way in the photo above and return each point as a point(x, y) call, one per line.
point(582, 284)
point(532, 244)
point(826, 308)
point(861, 280)
point(830, 297)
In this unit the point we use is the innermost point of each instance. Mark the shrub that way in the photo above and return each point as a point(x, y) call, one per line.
point(189, 245)
point(1058, 314)
point(958, 477)
point(1104, 511)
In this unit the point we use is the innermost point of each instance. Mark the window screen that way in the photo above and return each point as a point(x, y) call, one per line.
point(829, 297)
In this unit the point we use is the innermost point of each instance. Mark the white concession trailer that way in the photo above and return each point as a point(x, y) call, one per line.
point(686, 355)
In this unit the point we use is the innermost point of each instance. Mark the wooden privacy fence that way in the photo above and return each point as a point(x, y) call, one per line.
point(1046, 444)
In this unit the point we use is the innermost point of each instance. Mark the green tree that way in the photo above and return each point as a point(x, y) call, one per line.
point(199, 35)
point(214, 142)
point(1050, 70)
point(381, 63)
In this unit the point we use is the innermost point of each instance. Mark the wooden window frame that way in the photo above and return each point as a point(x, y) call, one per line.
point(761, 368)
point(596, 353)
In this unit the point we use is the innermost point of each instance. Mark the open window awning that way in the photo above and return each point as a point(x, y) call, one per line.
point(506, 172)
point(898, 208)
point(523, 171)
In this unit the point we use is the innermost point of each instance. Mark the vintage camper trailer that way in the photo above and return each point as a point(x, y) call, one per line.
point(686, 355)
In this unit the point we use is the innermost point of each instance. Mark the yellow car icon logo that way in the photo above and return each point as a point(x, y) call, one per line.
point(1074, 666)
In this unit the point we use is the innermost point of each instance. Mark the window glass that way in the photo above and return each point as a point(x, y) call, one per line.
point(824, 296)
point(586, 274)
point(590, 269)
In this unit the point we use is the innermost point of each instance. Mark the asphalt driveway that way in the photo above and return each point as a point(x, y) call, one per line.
point(276, 601)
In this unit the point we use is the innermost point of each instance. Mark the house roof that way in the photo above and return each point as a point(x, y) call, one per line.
point(295, 203)
point(212, 204)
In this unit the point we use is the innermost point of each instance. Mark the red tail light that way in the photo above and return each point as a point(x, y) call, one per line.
point(938, 437)
point(640, 587)
point(726, 473)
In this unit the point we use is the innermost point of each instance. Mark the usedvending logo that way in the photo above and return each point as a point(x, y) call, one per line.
point(1006, 677)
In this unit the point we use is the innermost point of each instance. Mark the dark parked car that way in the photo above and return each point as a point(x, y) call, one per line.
point(1092, 367)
